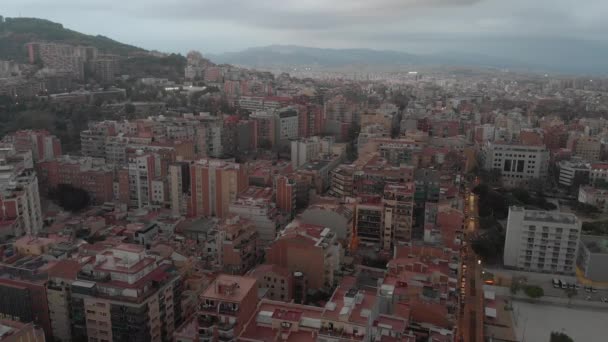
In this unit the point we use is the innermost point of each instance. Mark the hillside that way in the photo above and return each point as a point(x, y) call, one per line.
point(16, 32)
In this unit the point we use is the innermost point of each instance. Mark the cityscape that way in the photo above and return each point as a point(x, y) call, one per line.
point(296, 194)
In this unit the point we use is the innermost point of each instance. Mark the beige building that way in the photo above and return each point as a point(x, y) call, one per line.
point(588, 148)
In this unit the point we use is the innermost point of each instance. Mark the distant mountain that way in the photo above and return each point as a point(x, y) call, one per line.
point(291, 55)
point(568, 56)
point(277, 55)
point(16, 32)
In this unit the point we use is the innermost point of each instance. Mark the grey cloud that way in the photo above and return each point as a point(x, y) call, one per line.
point(392, 24)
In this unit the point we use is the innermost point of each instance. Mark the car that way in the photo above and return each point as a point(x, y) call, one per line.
point(555, 283)
point(605, 299)
point(588, 298)
point(578, 287)
point(587, 289)
point(594, 290)
point(564, 284)
point(571, 286)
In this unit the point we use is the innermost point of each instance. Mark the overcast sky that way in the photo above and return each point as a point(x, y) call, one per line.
point(213, 26)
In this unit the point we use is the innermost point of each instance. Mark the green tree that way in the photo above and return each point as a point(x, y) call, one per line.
point(534, 291)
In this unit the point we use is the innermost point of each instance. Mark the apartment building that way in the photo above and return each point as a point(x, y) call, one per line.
point(89, 174)
point(123, 294)
point(542, 241)
point(214, 185)
point(226, 306)
point(58, 296)
point(573, 172)
point(588, 148)
point(105, 68)
point(19, 194)
point(277, 281)
point(239, 245)
point(141, 172)
point(598, 173)
point(369, 225)
point(398, 200)
point(287, 126)
point(265, 128)
point(179, 188)
point(255, 204)
point(594, 196)
point(41, 143)
point(310, 249)
point(285, 194)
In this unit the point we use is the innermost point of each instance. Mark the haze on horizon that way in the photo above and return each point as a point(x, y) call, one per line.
point(523, 30)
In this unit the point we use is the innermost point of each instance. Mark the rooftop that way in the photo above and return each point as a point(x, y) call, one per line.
point(546, 216)
point(230, 288)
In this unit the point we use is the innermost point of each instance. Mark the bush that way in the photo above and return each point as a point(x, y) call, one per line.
point(533, 291)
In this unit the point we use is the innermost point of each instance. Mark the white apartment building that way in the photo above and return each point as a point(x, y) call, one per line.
point(593, 196)
point(287, 126)
point(542, 241)
point(573, 172)
point(19, 195)
point(517, 163)
point(598, 173)
point(304, 150)
point(141, 172)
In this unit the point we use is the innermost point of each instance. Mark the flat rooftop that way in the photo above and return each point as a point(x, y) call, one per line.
point(230, 288)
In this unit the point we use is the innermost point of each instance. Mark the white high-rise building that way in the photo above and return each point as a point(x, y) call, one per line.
point(304, 150)
point(542, 241)
point(19, 195)
point(287, 126)
point(517, 163)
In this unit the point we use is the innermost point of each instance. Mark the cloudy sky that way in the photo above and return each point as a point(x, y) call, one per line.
point(214, 26)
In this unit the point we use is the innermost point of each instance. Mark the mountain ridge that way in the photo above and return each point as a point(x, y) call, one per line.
point(16, 32)
point(576, 57)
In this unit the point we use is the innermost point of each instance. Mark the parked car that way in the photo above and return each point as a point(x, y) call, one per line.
point(587, 289)
point(605, 299)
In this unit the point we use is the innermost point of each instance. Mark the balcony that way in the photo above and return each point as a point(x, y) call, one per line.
point(208, 308)
point(226, 328)
point(339, 334)
point(228, 309)
point(207, 321)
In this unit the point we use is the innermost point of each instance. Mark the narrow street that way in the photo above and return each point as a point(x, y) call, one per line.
point(471, 284)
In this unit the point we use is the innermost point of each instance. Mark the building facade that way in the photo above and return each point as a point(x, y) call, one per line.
point(542, 241)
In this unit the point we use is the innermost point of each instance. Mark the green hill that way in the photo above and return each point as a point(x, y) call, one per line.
point(16, 32)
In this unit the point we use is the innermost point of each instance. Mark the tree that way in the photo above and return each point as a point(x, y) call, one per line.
point(70, 198)
point(560, 337)
point(534, 292)
point(570, 293)
point(129, 108)
point(514, 288)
